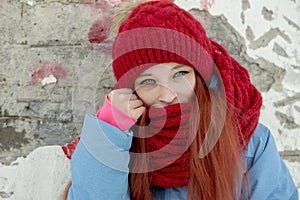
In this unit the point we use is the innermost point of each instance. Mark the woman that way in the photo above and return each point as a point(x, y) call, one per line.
point(181, 123)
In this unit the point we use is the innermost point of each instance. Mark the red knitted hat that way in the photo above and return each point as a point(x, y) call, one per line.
point(161, 32)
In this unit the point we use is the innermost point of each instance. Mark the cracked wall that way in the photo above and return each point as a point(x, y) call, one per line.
point(55, 68)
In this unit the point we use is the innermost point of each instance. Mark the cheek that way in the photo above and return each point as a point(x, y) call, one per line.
point(186, 89)
point(186, 94)
point(192, 80)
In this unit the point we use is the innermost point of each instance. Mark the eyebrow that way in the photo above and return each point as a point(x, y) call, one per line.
point(176, 67)
point(145, 75)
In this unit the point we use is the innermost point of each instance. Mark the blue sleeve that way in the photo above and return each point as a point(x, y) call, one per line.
point(99, 164)
point(269, 176)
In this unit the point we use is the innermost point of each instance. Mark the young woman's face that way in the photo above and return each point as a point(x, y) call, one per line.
point(165, 84)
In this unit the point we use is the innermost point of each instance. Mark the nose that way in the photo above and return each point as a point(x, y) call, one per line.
point(166, 95)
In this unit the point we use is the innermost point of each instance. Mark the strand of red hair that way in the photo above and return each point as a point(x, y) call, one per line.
point(218, 175)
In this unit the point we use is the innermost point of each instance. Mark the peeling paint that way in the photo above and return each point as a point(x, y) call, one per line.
point(292, 156)
point(295, 67)
point(49, 118)
point(290, 22)
point(99, 30)
point(279, 50)
point(29, 2)
point(288, 122)
point(207, 4)
point(297, 108)
point(49, 80)
point(268, 14)
point(6, 194)
point(270, 75)
point(245, 4)
point(265, 39)
point(287, 101)
point(43, 174)
point(10, 138)
point(45, 69)
point(264, 74)
point(249, 34)
point(243, 17)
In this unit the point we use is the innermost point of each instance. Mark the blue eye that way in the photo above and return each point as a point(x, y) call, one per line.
point(180, 73)
point(147, 82)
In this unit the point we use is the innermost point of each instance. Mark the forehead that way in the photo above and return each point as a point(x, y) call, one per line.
point(162, 66)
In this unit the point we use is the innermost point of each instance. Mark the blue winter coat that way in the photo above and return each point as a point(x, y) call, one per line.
point(99, 166)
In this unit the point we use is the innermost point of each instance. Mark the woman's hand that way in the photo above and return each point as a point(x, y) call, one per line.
point(127, 102)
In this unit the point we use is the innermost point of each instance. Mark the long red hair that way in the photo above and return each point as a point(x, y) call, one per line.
point(219, 174)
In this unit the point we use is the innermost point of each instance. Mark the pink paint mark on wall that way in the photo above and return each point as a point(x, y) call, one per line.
point(114, 2)
point(99, 30)
point(206, 4)
point(45, 69)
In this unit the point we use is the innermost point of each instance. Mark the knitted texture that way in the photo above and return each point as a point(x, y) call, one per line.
point(156, 31)
point(160, 32)
point(176, 38)
point(240, 93)
point(167, 145)
point(69, 148)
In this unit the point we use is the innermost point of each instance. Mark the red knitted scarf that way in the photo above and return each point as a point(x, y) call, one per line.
point(240, 92)
point(168, 144)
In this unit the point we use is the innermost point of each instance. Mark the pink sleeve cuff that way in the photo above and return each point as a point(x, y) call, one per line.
point(115, 117)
